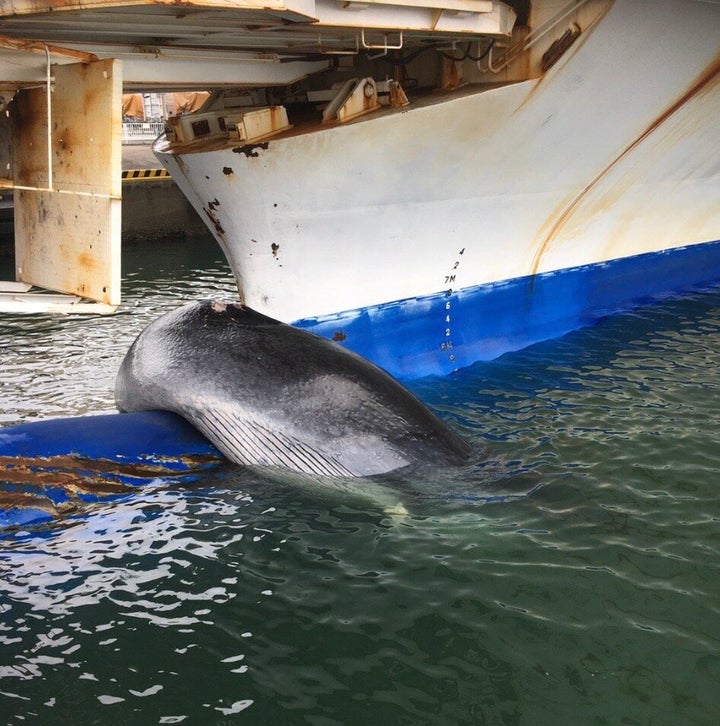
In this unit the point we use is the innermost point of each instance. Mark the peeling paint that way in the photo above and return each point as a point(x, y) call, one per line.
point(215, 221)
point(251, 150)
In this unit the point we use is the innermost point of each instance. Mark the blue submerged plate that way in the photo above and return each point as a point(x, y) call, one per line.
point(47, 468)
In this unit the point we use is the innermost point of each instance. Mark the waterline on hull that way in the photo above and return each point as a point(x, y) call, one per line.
point(481, 220)
point(438, 334)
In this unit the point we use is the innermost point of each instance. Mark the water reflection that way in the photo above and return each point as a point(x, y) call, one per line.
point(65, 365)
point(568, 573)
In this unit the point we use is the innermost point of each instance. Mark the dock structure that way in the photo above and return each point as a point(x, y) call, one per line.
point(64, 65)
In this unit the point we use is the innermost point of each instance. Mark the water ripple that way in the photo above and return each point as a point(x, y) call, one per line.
point(568, 573)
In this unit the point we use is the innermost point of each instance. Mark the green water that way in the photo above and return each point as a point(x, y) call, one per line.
point(567, 575)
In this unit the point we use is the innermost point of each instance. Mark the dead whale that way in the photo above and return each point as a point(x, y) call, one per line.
point(268, 394)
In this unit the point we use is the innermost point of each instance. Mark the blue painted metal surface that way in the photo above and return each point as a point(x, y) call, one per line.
point(50, 467)
point(438, 334)
point(148, 437)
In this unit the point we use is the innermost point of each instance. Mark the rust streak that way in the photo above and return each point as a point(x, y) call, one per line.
point(710, 74)
point(70, 481)
point(215, 221)
point(78, 476)
point(87, 261)
point(37, 46)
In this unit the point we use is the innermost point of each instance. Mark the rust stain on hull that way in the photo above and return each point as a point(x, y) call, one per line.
point(252, 151)
point(709, 77)
point(102, 466)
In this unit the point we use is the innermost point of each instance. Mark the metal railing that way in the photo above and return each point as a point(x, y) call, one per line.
point(141, 132)
point(496, 65)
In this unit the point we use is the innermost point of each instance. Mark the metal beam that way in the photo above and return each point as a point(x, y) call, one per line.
point(173, 69)
point(23, 64)
point(178, 8)
point(272, 26)
point(463, 6)
point(419, 18)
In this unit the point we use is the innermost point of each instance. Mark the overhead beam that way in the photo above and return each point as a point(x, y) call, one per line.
point(175, 68)
point(177, 7)
point(23, 63)
point(464, 6)
point(412, 16)
point(39, 47)
point(251, 24)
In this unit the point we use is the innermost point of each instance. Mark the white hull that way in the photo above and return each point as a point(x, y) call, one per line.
point(614, 152)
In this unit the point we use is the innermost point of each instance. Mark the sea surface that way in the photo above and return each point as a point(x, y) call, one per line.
point(569, 574)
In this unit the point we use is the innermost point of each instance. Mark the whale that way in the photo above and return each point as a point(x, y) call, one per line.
point(267, 394)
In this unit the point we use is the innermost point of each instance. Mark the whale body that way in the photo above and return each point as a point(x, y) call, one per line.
point(268, 394)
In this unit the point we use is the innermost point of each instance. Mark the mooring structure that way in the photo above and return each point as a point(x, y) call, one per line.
point(64, 65)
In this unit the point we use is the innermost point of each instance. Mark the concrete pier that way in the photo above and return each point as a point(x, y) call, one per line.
point(153, 208)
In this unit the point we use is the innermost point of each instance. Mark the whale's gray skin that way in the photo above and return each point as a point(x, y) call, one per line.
point(268, 394)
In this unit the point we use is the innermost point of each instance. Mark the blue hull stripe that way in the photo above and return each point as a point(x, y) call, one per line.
point(156, 438)
point(440, 333)
point(131, 448)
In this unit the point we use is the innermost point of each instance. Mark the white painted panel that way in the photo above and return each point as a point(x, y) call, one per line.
point(69, 243)
point(528, 178)
point(67, 207)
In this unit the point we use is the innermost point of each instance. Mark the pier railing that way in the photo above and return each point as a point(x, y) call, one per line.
point(141, 132)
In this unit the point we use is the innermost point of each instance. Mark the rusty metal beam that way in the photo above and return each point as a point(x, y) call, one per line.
point(23, 64)
point(178, 7)
point(290, 27)
point(38, 46)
